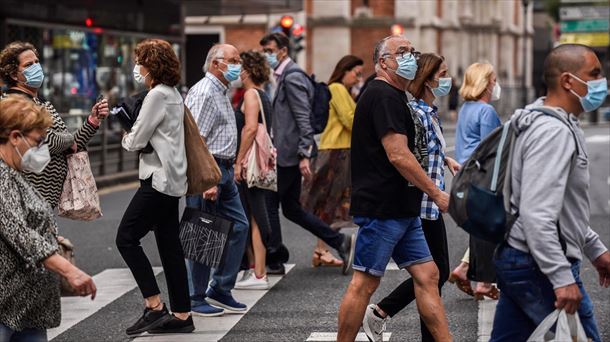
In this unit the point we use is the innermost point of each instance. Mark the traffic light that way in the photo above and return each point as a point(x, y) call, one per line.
point(286, 23)
point(296, 37)
point(295, 32)
point(397, 30)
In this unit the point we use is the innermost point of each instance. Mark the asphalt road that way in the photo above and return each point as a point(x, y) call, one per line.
point(307, 299)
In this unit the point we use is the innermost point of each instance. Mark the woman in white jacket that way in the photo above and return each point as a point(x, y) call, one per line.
point(163, 182)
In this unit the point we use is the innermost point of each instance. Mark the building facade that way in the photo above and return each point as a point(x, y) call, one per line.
point(464, 31)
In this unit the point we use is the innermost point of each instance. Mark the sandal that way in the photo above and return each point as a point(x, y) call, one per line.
point(493, 293)
point(325, 258)
point(462, 285)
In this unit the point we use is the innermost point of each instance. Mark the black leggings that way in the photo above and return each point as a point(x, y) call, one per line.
point(436, 236)
point(152, 210)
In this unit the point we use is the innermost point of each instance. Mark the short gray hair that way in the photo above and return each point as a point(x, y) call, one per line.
point(380, 48)
point(215, 52)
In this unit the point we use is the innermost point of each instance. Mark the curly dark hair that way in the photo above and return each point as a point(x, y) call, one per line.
point(256, 65)
point(161, 61)
point(9, 60)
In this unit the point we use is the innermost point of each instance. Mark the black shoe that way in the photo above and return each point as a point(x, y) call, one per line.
point(149, 320)
point(276, 269)
point(346, 252)
point(174, 326)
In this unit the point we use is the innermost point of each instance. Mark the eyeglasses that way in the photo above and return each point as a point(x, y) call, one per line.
point(39, 142)
point(358, 74)
point(403, 53)
point(232, 60)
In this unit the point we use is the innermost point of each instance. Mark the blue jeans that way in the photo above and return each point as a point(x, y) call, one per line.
point(379, 240)
point(229, 206)
point(27, 335)
point(528, 297)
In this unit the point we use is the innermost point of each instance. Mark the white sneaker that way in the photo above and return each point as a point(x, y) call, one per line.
point(244, 274)
point(253, 283)
point(373, 326)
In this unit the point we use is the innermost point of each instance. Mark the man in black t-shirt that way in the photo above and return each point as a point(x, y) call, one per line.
point(387, 185)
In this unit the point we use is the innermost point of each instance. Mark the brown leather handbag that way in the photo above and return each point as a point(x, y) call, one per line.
point(202, 171)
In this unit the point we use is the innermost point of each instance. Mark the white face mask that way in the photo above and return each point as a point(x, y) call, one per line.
point(35, 159)
point(137, 76)
point(496, 92)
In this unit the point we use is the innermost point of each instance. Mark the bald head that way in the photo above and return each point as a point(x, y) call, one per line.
point(564, 58)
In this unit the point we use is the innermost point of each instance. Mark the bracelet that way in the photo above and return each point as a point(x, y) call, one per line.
point(92, 123)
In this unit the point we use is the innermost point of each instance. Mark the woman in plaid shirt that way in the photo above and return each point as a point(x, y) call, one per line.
point(430, 82)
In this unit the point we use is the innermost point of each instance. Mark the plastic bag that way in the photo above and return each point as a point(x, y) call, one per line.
point(568, 329)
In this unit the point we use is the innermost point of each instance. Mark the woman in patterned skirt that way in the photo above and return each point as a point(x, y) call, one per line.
point(20, 69)
point(328, 193)
point(29, 285)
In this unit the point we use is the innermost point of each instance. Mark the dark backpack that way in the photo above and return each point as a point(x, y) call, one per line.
point(320, 105)
point(481, 190)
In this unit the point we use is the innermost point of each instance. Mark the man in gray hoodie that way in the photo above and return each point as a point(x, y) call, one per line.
point(538, 266)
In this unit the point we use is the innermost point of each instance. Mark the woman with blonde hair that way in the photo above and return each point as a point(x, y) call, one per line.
point(29, 285)
point(476, 119)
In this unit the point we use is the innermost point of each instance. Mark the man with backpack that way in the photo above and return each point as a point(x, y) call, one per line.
point(293, 123)
point(538, 263)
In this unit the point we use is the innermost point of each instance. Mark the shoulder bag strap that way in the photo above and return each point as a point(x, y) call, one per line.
point(262, 110)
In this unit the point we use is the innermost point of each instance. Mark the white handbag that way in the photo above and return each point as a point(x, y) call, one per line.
point(568, 329)
point(261, 160)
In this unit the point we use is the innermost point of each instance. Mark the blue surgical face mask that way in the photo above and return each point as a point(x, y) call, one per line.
point(407, 66)
point(33, 76)
point(444, 86)
point(272, 59)
point(232, 72)
point(597, 90)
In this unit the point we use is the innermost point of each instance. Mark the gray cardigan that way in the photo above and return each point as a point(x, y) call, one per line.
point(292, 133)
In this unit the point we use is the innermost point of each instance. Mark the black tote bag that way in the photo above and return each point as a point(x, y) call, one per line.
point(204, 237)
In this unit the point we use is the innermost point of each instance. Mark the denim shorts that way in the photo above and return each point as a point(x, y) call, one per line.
point(379, 240)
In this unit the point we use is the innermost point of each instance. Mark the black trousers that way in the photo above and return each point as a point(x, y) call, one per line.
point(152, 210)
point(436, 236)
point(288, 195)
point(482, 267)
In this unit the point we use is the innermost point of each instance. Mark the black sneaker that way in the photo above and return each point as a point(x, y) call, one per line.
point(174, 326)
point(276, 269)
point(346, 252)
point(149, 320)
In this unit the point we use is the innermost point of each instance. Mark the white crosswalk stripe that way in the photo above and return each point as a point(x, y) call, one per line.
point(598, 139)
point(332, 336)
point(114, 283)
point(215, 328)
point(111, 284)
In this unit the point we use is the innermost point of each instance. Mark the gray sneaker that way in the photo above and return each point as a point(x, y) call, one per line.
point(373, 326)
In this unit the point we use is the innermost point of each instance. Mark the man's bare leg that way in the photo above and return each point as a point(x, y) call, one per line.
point(354, 303)
point(429, 304)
